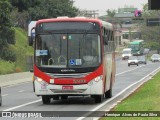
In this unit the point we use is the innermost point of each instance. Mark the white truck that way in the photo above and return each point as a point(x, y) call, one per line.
point(126, 53)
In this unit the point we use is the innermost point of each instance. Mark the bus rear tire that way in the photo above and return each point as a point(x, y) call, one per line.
point(98, 98)
point(46, 99)
point(108, 94)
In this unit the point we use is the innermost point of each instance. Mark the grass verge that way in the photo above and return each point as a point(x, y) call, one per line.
point(6, 67)
point(146, 98)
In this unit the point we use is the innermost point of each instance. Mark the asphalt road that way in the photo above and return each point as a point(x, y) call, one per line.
point(22, 98)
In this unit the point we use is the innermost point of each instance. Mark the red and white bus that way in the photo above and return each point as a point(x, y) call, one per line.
point(73, 57)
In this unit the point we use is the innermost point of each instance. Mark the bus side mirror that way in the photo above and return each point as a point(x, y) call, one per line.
point(31, 38)
point(105, 41)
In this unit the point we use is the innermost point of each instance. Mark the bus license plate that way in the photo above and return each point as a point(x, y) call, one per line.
point(67, 87)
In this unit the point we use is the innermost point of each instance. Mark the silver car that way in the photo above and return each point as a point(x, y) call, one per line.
point(155, 57)
point(142, 60)
point(133, 60)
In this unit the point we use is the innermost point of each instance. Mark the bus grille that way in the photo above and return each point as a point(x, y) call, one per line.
point(67, 91)
point(81, 75)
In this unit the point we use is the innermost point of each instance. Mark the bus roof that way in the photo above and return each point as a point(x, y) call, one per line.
point(137, 42)
point(77, 19)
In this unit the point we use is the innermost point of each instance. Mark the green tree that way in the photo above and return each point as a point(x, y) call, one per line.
point(52, 9)
point(23, 5)
point(7, 33)
point(28, 10)
point(111, 13)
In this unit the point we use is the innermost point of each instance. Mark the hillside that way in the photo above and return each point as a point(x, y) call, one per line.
point(22, 50)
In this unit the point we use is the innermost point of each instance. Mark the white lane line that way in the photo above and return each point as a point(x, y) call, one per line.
point(124, 90)
point(129, 70)
point(19, 106)
point(4, 95)
point(21, 91)
point(17, 84)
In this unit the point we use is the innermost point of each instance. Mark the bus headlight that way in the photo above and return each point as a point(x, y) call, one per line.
point(42, 82)
point(95, 80)
point(39, 79)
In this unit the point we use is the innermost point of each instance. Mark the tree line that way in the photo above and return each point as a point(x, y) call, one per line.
point(21, 12)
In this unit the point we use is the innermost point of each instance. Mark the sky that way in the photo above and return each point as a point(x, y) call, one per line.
point(103, 5)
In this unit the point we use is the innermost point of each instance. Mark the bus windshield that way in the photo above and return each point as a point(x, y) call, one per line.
point(134, 46)
point(67, 50)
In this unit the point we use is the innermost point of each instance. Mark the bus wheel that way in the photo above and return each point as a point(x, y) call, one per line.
point(64, 97)
point(33, 87)
point(108, 94)
point(46, 99)
point(56, 97)
point(98, 98)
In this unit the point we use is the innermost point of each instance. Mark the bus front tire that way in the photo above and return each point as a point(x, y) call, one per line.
point(64, 97)
point(55, 97)
point(98, 98)
point(46, 99)
point(33, 87)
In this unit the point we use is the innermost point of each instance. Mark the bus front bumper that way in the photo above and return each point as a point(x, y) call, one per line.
point(92, 88)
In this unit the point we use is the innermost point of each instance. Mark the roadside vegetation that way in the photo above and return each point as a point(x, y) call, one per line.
point(21, 50)
point(15, 17)
point(146, 98)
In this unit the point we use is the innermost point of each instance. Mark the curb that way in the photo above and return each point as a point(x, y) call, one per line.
point(16, 78)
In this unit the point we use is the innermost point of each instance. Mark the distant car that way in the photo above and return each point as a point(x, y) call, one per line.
point(142, 60)
point(0, 97)
point(132, 61)
point(155, 57)
point(126, 53)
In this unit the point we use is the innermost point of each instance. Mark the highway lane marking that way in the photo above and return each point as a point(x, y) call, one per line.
point(19, 106)
point(4, 95)
point(124, 90)
point(21, 91)
point(17, 84)
point(129, 70)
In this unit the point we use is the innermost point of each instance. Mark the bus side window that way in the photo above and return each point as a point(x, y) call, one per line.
point(105, 37)
point(108, 35)
point(112, 47)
